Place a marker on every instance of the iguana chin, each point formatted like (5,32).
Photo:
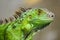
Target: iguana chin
(26,24)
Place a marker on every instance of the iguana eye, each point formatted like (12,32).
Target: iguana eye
(51,15)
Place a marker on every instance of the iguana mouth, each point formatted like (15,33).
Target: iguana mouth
(39,28)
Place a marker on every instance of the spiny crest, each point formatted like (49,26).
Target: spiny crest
(6,20)
(11,18)
(17,14)
(1,21)
(19,11)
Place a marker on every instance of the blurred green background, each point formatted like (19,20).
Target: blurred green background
(52,32)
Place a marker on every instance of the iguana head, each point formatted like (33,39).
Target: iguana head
(42,17)
(36,19)
(39,17)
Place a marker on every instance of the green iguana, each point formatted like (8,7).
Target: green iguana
(26,24)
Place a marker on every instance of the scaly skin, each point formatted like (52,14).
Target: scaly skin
(2,30)
(25,26)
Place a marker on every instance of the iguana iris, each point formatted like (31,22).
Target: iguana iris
(25,26)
